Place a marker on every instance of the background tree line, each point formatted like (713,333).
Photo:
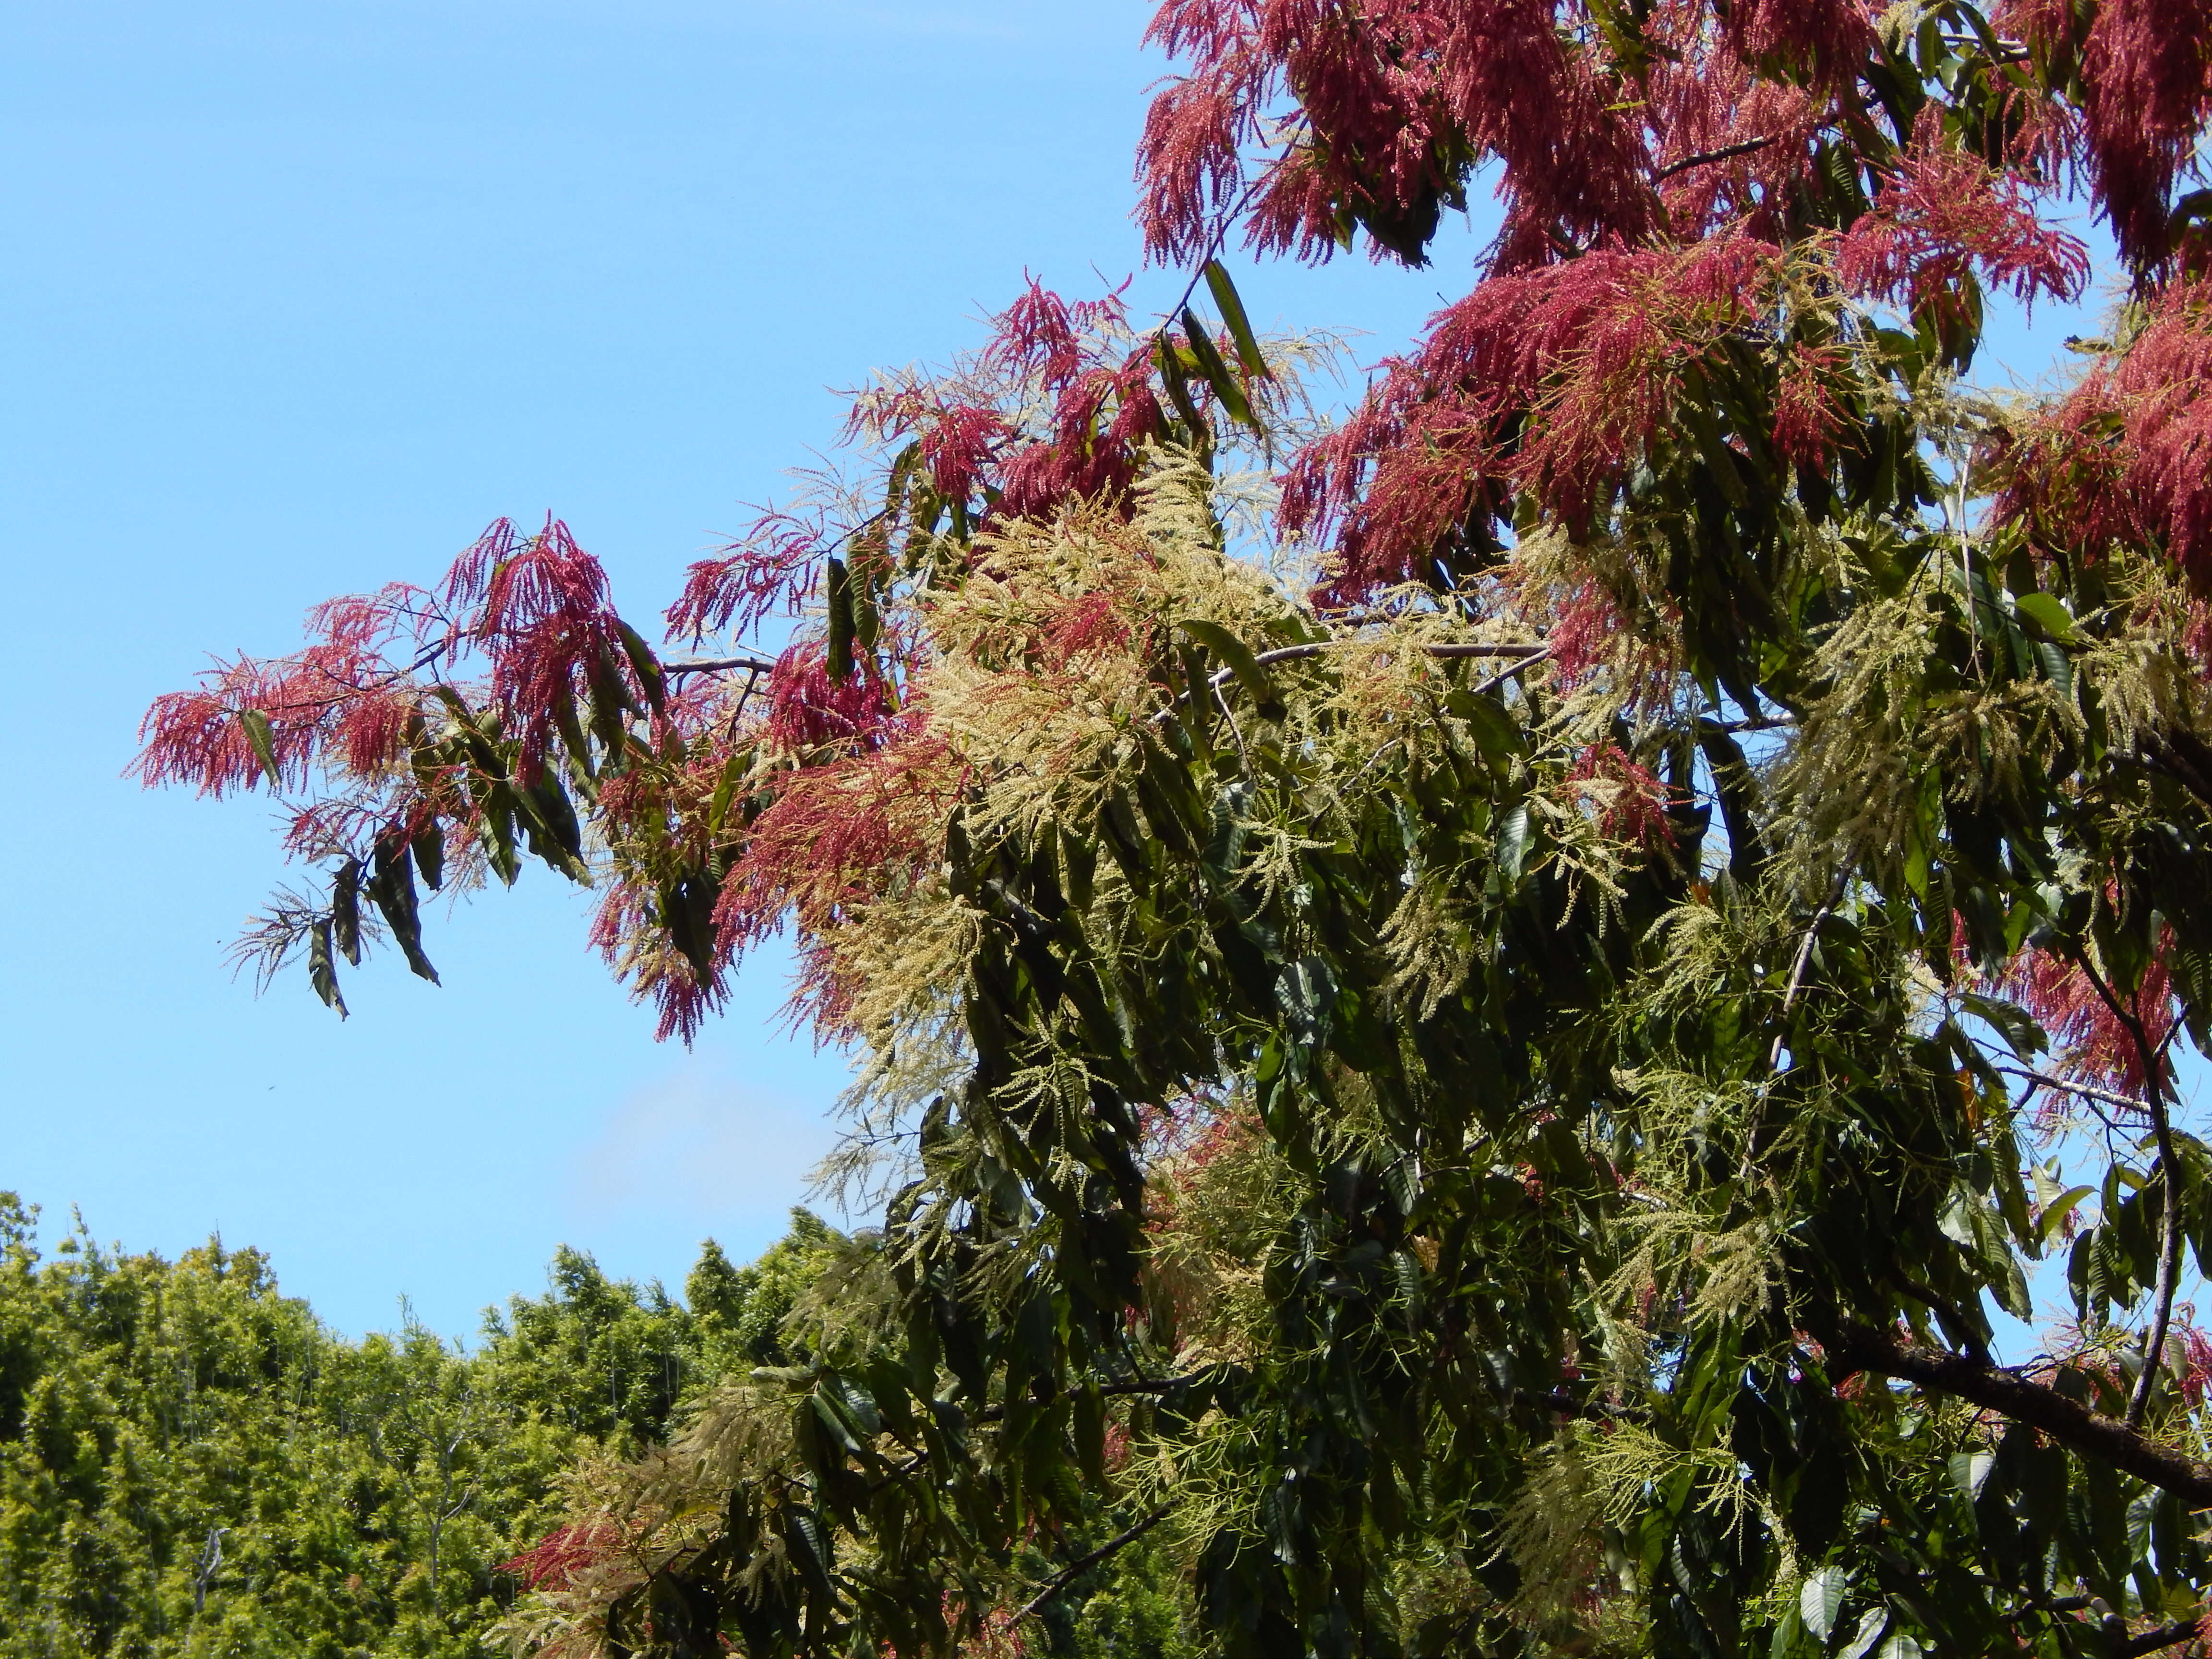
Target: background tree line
(191,1463)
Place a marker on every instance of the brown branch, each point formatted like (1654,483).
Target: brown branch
(1082,1564)
(1292,652)
(2010,1395)
(1706,157)
(717,665)
(1512,669)
(2065,1085)
(2166,1636)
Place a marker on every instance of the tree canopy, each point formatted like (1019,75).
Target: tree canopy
(1470,1015)
(191,1464)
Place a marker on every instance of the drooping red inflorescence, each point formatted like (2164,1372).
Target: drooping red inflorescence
(1808,412)
(1552,380)
(811,709)
(557,1560)
(345,699)
(2146,71)
(2098,1043)
(1397,98)
(539,611)
(838,834)
(2128,454)
(771,568)
(1630,802)
(1942,214)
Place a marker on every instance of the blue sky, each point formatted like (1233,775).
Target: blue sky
(296,299)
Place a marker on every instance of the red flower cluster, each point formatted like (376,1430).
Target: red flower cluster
(1552,380)
(2099,1044)
(1397,98)
(1632,804)
(1943,213)
(2127,456)
(557,1561)
(2146,74)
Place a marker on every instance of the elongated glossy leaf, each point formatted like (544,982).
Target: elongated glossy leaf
(255,724)
(1239,660)
(1218,375)
(1232,306)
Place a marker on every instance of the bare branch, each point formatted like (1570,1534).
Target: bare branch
(1082,1564)
(2169,1174)
(718,665)
(1707,157)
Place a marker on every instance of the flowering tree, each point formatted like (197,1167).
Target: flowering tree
(1477,1059)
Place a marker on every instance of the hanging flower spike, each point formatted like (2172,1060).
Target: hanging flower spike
(2128,454)
(1942,214)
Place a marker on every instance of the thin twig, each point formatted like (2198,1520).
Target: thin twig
(2169,1171)
(2087,1091)
(1512,669)
(1081,1564)
(1804,960)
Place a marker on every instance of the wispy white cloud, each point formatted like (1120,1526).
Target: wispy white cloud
(700,1149)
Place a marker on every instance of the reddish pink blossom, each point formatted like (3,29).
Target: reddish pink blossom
(772,567)
(1632,804)
(557,1560)
(957,449)
(1941,213)
(2127,456)
(1809,413)
(809,710)
(1397,98)
(1552,380)
(1050,340)
(543,617)
(2098,1043)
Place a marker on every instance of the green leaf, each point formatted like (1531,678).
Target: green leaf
(839,592)
(1971,1470)
(2021,1034)
(2047,614)
(1217,374)
(393,887)
(2055,1213)
(345,911)
(1871,1625)
(1821,1598)
(1240,326)
(643,663)
(1237,657)
(1513,841)
(322,972)
(256,726)
(429,849)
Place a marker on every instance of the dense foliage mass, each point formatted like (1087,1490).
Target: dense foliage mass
(1470,1053)
(191,1464)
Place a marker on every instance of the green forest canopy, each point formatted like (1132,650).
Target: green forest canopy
(192,1465)
(1467,1013)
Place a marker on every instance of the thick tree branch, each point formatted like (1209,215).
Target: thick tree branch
(2167,1636)
(2067,1085)
(718,665)
(2067,1421)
